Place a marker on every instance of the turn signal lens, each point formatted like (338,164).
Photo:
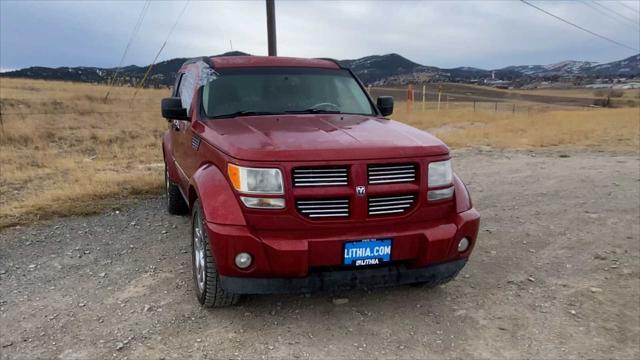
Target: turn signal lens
(256,180)
(234,175)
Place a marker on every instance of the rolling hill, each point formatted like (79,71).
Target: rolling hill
(374,69)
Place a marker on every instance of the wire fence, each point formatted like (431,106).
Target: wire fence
(432,98)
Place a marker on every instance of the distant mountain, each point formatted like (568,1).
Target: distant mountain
(625,67)
(161,74)
(376,69)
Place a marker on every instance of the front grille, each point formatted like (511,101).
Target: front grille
(326,176)
(382,174)
(390,204)
(323,208)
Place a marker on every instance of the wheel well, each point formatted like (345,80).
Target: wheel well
(193,195)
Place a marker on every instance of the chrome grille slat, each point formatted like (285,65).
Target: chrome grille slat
(394,171)
(382,174)
(323,208)
(318,211)
(319,170)
(322,200)
(390,181)
(322,184)
(399,202)
(329,215)
(327,176)
(390,204)
(412,175)
(304,176)
(318,179)
(392,167)
(317,206)
(385,212)
(403,206)
(393,198)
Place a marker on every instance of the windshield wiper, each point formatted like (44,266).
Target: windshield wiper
(313,111)
(243,113)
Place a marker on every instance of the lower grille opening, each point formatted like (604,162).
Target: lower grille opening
(323,208)
(391,204)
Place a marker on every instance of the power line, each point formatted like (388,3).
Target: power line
(134,33)
(634,22)
(608,15)
(580,27)
(628,7)
(144,78)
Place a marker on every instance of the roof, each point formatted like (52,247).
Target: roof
(227,62)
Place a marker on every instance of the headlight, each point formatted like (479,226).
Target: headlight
(256,181)
(440,173)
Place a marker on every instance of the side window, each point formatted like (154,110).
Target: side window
(187,84)
(176,86)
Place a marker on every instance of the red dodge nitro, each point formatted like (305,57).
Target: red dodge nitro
(297,181)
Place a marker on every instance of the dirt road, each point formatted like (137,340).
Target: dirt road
(556,274)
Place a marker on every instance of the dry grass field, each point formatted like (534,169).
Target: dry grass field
(63,151)
(75,154)
(597,129)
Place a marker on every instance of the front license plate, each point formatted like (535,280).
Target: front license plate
(367,252)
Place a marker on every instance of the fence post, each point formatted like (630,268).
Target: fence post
(439,96)
(474,106)
(514,108)
(369,89)
(409,98)
(496,107)
(424,94)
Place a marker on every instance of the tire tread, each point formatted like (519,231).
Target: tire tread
(214,295)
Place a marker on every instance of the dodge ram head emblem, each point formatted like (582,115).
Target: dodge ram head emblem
(361,190)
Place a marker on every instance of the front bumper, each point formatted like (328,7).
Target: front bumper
(341,280)
(296,254)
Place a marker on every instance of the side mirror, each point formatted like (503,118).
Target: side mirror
(172,109)
(385,105)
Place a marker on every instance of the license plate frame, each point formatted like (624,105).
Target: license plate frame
(367,252)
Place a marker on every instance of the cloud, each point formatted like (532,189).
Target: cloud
(487,34)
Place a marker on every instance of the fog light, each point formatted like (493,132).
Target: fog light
(243,260)
(463,245)
(262,203)
(435,195)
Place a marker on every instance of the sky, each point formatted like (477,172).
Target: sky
(447,34)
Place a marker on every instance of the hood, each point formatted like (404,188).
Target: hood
(319,137)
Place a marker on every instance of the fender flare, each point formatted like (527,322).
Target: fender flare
(463,199)
(218,201)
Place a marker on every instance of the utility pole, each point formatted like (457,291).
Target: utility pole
(271,27)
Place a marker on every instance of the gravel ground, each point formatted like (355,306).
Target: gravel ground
(555,275)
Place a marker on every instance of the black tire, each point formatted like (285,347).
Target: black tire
(175,202)
(209,290)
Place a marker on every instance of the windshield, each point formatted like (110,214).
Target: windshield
(284,90)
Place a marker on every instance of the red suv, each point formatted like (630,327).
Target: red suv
(297,182)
